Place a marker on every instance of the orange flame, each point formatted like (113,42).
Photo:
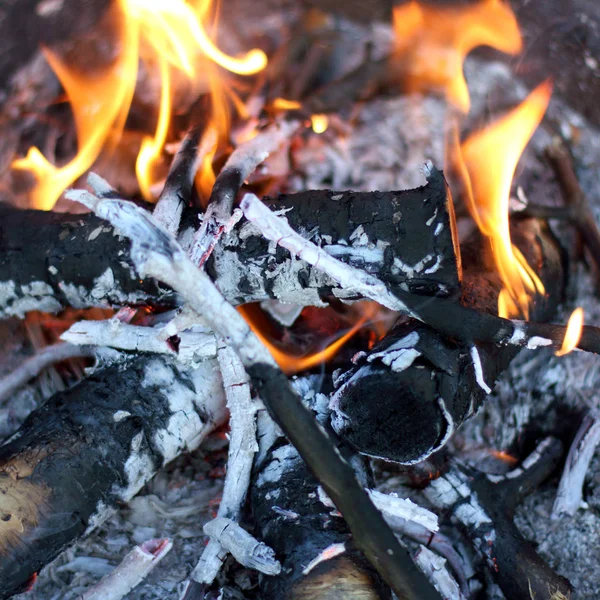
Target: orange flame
(487,161)
(291,364)
(175,34)
(432,43)
(573,333)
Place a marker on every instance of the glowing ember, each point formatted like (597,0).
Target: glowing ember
(487,161)
(432,43)
(319,123)
(291,364)
(174,35)
(573,334)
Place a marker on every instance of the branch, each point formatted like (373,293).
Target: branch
(242,447)
(177,191)
(130,572)
(189,347)
(569,497)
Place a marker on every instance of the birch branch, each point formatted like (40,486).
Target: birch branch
(190,347)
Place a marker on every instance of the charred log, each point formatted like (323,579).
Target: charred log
(406,397)
(405,238)
(91,447)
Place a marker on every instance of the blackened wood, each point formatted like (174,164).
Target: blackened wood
(406,397)
(91,447)
(49,260)
(53,260)
(289,516)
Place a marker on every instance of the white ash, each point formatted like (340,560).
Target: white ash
(434,566)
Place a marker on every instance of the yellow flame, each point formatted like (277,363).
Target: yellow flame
(96,101)
(291,364)
(151,148)
(431,43)
(320,123)
(573,333)
(487,160)
(175,35)
(283,104)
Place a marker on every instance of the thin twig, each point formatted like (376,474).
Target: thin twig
(435,567)
(156,253)
(130,572)
(242,447)
(569,497)
(189,346)
(178,186)
(240,165)
(446,316)
(33,366)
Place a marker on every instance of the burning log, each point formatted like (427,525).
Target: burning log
(91,447)
(484,505)
(405,398)
(85,264)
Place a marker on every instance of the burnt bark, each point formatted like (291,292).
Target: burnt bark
(49,261)
(91,447)
(406,397)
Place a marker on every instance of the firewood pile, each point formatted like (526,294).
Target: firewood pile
(298,300)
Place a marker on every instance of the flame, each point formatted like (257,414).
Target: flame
(320,123)
(573,333)
(433,42)
(171,33)
(487,161)
(291,364)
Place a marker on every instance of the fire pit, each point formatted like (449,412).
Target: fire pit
(290,299)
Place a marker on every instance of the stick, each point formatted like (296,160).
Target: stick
(190,347)
(242,447)
(177,191)
(245,548)
(130,572)
(33,366)
(435,567)
(569,497)
(157,254)
(446,316)
(240,165)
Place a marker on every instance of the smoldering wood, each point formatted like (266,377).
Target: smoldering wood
(404,399)
(93,446)
(484,505)
(83,262)
(290,517)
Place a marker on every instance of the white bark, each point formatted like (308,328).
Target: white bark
(132,570)
(194,346)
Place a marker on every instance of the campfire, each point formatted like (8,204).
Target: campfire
(298,302)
